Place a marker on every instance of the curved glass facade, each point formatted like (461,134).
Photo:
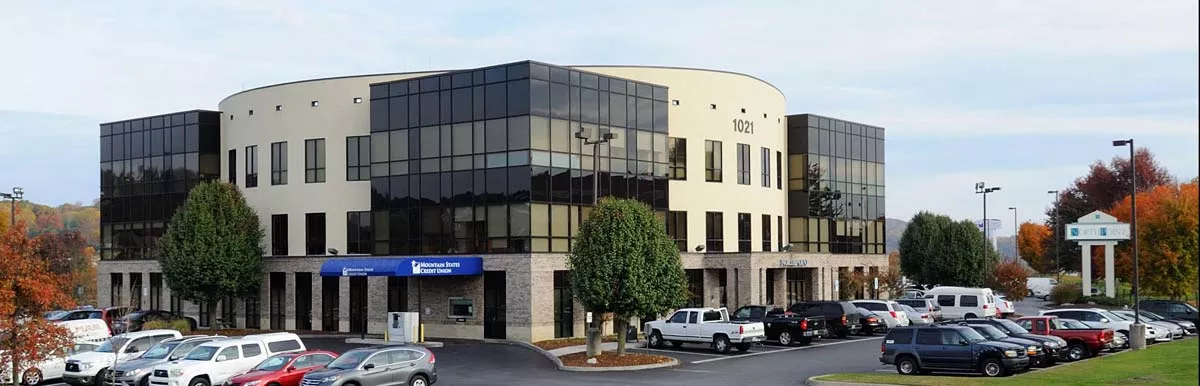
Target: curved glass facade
(486,160)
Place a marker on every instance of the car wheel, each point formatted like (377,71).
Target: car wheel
(1125,334)
(32,377)
(656,339)
(199,382)
(785,338)
(418,380)
(969,316)
(100,377)
(842,334)
(1076,351)
(1030,293)
(907,366)
(721,344)
(805,341)
(992,367)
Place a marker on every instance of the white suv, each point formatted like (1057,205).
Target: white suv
(85,368)
(1100,318)
(215,362)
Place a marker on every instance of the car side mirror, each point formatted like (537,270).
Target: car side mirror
(131,349)
(963,343)
(221,358)
(668,321)
(368,366)
(173,358)
(291,368)
(1103,320)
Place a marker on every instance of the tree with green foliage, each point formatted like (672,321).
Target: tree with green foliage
(935,250)
(624,263)
(212,248)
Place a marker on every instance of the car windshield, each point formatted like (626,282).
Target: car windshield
(1012,327)
(201,353)
(1114,317)
(906,308)
(1071,324)
(112,345)
(159,351)
(56,315)
(273,363)
(84,347)
(971,335)
(1151,315)
(990,332)
(349,360)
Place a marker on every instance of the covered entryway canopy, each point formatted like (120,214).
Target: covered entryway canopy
(403,266)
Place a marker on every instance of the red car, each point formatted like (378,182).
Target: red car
(283,369)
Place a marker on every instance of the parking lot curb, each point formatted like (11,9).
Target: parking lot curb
(814,381)
(553,359)
(674,362)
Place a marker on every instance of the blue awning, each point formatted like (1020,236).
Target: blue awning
(402,266)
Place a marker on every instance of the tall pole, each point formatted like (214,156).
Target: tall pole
(985,220)
(1016,233)
(593,332)
(1057,226)
(595,173)
(1137,335)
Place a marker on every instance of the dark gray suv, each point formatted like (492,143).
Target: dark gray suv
(377,366)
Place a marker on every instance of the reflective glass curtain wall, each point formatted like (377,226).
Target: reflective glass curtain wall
(486,160)
(835,185)
(147,166)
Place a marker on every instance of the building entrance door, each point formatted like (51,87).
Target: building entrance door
(494,300)
(358,305)
(798,288)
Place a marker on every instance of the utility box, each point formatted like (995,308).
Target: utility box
(403,327)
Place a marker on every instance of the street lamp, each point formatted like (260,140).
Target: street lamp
(1057,226)
(981,188)
(16,195)
(1138,333)
(1016,232)
(605,137)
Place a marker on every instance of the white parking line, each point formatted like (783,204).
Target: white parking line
(783,350)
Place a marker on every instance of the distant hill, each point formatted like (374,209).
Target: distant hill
(895,229)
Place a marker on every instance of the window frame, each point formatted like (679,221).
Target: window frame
(712,161)
(314,240)
(743,164)
(354,170)
(714,232)
(279,160)
(677,158)
(765,157)
(314,161)
(279,239)
(251,166)
(744,226)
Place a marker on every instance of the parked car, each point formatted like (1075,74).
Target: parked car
(284,369)
(87,334)
(1004,306)
(214,362)
(782,326)
(91,368)
(934,310)
(1053,346)
(915,318)
(1171,309)
(136,372)
(705,325)
(55,315)
(841,318)
(1040,287)
(1188,327)
(1033,348)
(963,302)
(1099,318)
(871,323)
(1082,341)
(888,310)
(920,350)
(382,366)
(108,315)
(136,319)
(1158,331)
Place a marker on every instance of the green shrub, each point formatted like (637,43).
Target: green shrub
(1104,300)
(180,325)
(1064,293)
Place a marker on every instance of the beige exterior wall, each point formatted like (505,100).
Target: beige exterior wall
(736,96)
(335,118)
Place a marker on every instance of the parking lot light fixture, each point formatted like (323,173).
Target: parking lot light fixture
(1137,320)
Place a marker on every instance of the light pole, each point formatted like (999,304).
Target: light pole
(593,332)
(981,188)
(605,137)
(1138,334)
(1057,225)
(1016,233)
(16,195)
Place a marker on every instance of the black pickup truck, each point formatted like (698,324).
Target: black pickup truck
(783,326)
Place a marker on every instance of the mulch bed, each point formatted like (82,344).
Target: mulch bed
(610,359)
(568,342)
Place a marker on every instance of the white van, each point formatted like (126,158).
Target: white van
(1039,287)
(88,335)
(964,302)
(83,368)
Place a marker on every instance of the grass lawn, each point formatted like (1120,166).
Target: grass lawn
(1162,364)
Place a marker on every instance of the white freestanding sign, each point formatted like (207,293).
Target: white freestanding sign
(1098,228)
(403,327)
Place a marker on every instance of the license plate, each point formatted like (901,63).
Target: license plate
(809,333)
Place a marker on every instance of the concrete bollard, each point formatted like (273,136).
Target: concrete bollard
(1137,336)
(593,341)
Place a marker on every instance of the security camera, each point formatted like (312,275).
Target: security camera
(700,248)
(332,251)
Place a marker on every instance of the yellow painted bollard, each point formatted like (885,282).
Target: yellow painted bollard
(422,332)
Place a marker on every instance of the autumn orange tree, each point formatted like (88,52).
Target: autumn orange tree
(1168,245)
(67,255)
(1010,277)
(892,279)
(28,289)
(1031,245)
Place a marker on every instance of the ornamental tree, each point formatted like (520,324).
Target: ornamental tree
(935,250)
(212,248)
(1168,246)
(1031,245)
(1011,278)
(624,263)
(28,289)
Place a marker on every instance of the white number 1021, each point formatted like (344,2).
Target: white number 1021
(743,126)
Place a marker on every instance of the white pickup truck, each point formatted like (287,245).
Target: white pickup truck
(705,325)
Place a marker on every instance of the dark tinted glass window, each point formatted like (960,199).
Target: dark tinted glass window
(929,337)
(968,301)
(945,300)
(900,336)
(285,345)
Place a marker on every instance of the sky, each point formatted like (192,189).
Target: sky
(1023,95)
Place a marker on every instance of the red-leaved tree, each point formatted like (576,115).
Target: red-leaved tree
(28,289)
(1010,277)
